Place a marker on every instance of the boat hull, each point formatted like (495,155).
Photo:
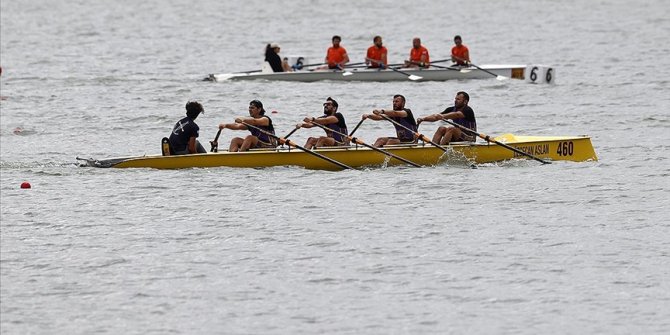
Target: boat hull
(563,148)
(431,74)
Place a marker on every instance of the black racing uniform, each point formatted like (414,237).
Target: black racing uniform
(408,121)
(183,130)
(275,62)
(339,126)
(468,121)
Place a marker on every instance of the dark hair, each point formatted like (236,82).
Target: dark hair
(258,104)
(376,37)
(467,97)
(336,36)
(457,37)
(268,51)
(333,101)
(400,96)
(193,108)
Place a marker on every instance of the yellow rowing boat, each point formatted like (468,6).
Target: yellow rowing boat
(555,148)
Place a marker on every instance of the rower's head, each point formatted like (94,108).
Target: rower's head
(458,40)
(193,109)
(377,41)
(461,99)
(330,106)
(256,108)
(416,42)
(275,47)
(398,102)
(336,40)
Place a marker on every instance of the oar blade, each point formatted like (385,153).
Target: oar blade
(221,77)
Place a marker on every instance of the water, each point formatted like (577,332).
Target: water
(506,248)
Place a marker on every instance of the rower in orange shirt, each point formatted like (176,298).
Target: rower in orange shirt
(460,54)
(336,56)
(418,55)
(376,56)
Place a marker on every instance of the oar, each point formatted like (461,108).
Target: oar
(356,128)
(356,140)
(499,77)
(215,143)
(315,64)
(445,67)
(409,76)
(354,64)
(226,76)
(489,139)
(419,135)
(346,73)
(291,133)
(440,61)
(290,143)
(433,62)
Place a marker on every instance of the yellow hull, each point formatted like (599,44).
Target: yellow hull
(556,148)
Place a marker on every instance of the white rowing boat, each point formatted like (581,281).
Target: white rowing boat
(532,73)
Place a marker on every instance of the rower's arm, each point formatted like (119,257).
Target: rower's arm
(374,117)
(261,121)
(191,145)
(233,126)
(451,116)
(430,118)
(392,113)
(424,58)
(345,60)
(323,120)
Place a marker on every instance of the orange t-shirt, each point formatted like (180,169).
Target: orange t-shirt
(460,52)
(335,55)
(376,53)
(416,54)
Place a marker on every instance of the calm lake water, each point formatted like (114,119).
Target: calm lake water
(511,248)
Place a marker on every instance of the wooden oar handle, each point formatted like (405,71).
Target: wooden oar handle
(215,143)
(291,133)
(489,139)
(356,128)
(218,133)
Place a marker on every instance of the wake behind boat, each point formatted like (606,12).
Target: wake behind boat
(529,73)
(555,148)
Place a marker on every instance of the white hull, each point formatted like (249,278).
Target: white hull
(431,74)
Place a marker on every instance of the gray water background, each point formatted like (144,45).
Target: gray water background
(506,248)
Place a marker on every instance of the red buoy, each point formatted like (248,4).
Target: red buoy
(25,184)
